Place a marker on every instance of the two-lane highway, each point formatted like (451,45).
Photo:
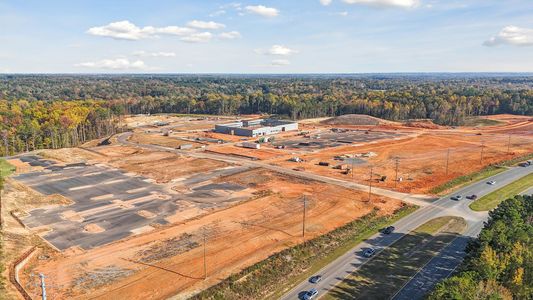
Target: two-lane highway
(439,267)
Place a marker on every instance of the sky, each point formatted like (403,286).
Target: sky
(297,36)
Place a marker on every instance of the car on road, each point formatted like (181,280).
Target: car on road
(369,252)
(388,230)
(492,182)
(526,164)
(472,197)
(311,294)
(315,279)
(457,197)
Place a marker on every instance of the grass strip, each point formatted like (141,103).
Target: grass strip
(280,272)
(381,277)
(493,199)
(6,168)
(486,172)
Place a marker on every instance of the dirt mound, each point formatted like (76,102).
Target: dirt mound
(427,124)
(355,119)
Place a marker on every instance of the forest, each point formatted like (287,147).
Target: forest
(30,125)
(39,111)
(499,263)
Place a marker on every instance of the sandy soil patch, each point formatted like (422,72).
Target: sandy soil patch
(93,228)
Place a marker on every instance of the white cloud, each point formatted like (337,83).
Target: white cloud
(218,13)
(230,35)
(205,25)
(199,37)
(114,64)
(262,10)
(280,62)
(154,54)
(386,3)
(277,50)
(325,2)
(343,13)
(125,30)
(512,35)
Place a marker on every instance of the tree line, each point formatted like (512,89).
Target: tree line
(499,263)
(446,99)
(30,125)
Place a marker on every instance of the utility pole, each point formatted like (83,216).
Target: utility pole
(370,184)
(509,145)
(447,160)
(397,164)
(353,160)
(303,221)
(205,263)
(482,146)
(43,286)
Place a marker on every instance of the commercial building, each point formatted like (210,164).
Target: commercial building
(257,127)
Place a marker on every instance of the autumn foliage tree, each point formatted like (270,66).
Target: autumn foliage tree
(499,263)
(29,125)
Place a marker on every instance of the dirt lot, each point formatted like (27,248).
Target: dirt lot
(158,139)
(16,239)
(245,214)
(261,154)
(142,267)
(160,166)
(422,156)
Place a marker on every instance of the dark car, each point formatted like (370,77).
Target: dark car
(315,279)
(388,230)
(369,252)
(472,197)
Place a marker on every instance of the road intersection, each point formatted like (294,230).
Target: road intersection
(437,269)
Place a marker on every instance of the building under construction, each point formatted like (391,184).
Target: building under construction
(256,127)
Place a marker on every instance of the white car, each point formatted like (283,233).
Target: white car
(311,294)
(492,182)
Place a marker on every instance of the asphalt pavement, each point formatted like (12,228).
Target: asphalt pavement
(439,267)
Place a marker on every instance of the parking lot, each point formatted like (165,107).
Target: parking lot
(335,139)
(109,204)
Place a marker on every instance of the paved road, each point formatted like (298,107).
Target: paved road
(448,259)
(437,269)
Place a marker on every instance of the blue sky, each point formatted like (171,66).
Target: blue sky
(307,36)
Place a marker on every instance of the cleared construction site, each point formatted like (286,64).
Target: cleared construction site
(139,216)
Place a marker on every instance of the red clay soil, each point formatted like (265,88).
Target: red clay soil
(422,159)
(237,237)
